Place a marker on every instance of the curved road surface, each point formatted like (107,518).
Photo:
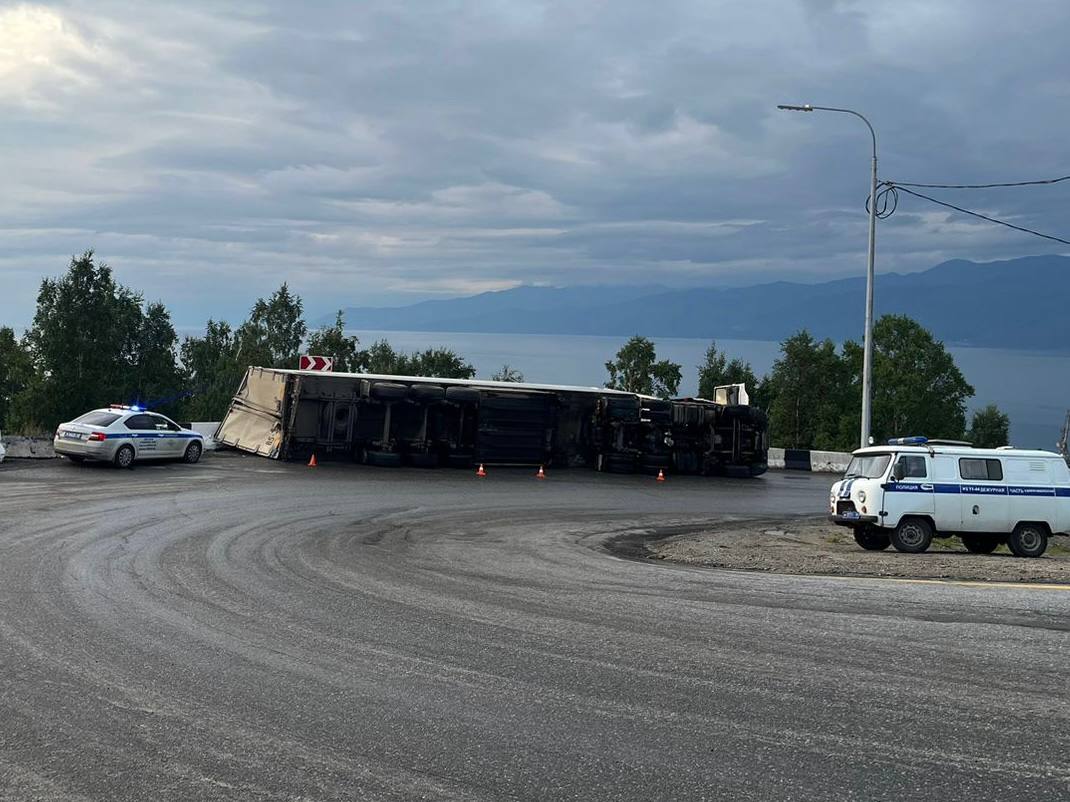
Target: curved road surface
(243,629)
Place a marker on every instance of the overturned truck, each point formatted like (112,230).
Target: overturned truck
(427,422)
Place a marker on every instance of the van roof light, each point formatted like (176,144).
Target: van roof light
(908,441)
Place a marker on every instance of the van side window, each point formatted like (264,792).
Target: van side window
(911,467)
(988,469)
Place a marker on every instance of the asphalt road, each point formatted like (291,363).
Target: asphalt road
(243,629)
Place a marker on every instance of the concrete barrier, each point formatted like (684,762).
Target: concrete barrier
(28,447)
(18,447)
(208,429)
(796,459)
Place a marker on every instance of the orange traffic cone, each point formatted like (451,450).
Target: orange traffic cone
(541,474)
(661,475)
(481,472)
(312,462)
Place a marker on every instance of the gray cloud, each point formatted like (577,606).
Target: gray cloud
(385,152)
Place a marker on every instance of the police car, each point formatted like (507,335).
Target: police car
(122,434)
(903,493)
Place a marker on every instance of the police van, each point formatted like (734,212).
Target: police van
(904,493)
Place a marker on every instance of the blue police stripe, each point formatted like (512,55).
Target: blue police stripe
(124,435)
(979,490)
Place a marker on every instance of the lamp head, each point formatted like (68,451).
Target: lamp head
(787,107)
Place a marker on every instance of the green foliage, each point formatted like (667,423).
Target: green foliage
(91,344)
(214,372)
(917,388)
(717,370)
(157,378)
(507,374)
(989,428)
(442,363)
(382,358)
(637,370)
(16,372)
(809,391)
(332,341)
(273,334)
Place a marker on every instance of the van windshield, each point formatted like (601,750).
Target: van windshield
(870,466)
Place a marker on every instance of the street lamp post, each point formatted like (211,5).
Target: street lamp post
(867,358)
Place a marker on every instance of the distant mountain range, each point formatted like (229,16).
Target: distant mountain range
(1018,304)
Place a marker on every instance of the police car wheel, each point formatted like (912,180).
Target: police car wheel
(979,544)
(912,536)
(124,457)
(1028,540)
(872,539)
(193,453)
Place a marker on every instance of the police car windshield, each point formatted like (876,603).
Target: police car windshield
(870,466)
(97,418)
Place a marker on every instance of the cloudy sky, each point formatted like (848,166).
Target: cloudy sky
(385,152)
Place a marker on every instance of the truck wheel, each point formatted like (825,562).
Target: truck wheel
(124,457)
(979,544)
(384,459)
(388,391)
(618,463)
(872,539)
(1028,540)
(912,536)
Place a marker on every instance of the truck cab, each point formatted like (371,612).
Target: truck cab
(904,493)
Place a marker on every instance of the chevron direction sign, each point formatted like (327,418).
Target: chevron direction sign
(322,363)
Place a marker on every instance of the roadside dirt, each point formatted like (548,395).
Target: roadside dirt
(814,546)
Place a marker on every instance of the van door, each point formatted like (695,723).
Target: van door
(912,487)
(983,493)
(948,500)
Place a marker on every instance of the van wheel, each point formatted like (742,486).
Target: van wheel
(124,457)
(978,544)
(872,539)
(912,536)
(1028,540)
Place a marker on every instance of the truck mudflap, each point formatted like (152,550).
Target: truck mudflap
(426,422)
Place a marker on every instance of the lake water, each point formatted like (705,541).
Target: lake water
(1034,389)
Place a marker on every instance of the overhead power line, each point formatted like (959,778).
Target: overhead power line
(887,201)
(986,186)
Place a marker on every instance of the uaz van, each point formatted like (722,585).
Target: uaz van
(903,493)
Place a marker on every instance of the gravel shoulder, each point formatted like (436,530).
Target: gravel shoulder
(813,546)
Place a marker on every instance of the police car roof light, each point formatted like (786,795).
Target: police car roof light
(908,441)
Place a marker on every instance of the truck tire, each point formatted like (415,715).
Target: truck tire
(384,459)
(462,394)
(428,393)
(872,539)
(618,463)
(1028,540)
(388,391)
(651,464)
(461,460)
(979,544)
(912,536)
